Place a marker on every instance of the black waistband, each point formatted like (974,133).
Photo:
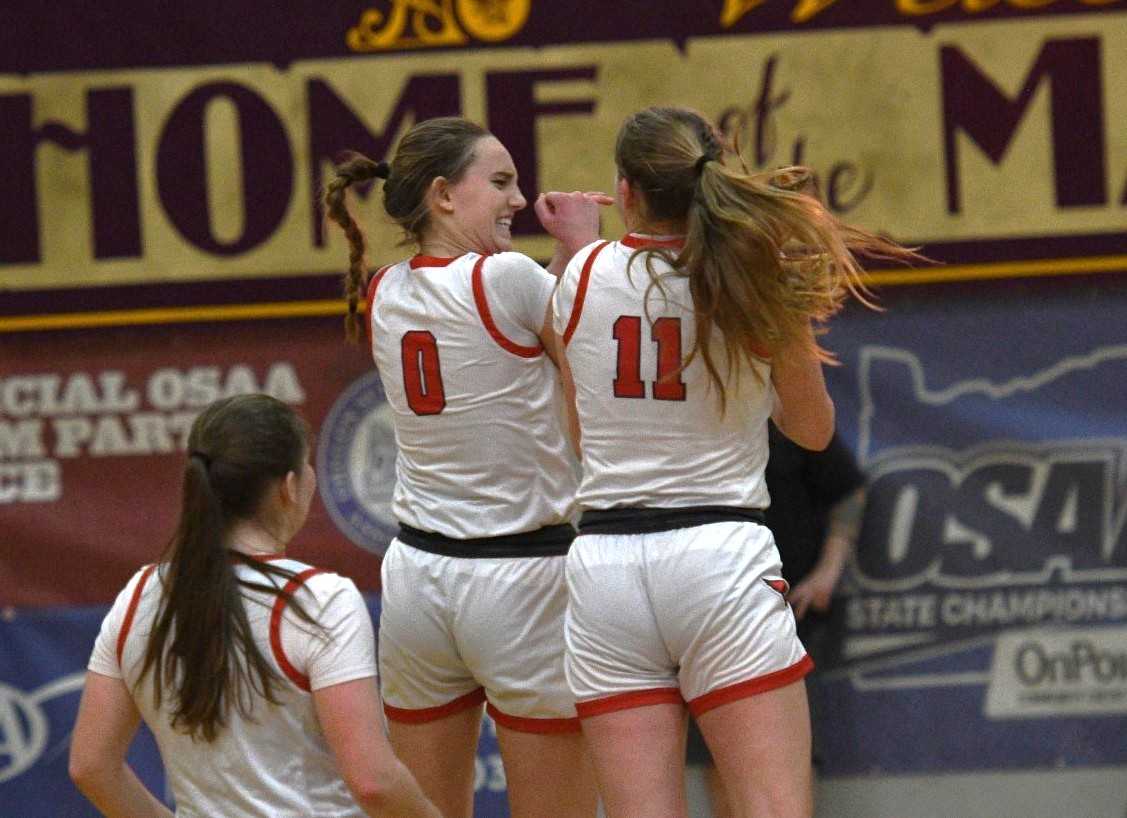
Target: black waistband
(641,520)
(549,541)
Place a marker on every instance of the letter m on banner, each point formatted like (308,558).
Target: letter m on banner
(974,104)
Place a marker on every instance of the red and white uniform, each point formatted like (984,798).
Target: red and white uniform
(476,400)
(481,454)
(278,763)
(691,612)
(646,441)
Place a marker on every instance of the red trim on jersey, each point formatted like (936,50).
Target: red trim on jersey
(523,724)
(373,285)
(636,242)
(425,714)
(760,684)
(581,293)
(487,318)
(628,701)
(131,611)
(431,261)
(778,584)
(296,581)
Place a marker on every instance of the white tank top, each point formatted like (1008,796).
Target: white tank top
(648,440)
(276,762)
(476,402)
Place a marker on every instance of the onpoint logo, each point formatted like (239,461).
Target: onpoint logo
(1059,672)
(23,724)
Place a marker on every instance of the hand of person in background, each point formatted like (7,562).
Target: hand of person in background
(572,219)
(816,588)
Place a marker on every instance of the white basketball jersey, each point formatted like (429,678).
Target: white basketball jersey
(277,761)
(481,447)
(652,436)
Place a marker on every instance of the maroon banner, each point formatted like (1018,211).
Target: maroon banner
(93,426)
(72,35)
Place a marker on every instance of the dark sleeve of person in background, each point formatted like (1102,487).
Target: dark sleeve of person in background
(804,486)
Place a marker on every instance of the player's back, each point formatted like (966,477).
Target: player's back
(653,436)
(481,449)
(273,761)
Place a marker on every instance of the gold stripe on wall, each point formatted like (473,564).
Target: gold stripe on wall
(173,315)
(332,306)
(1037,268)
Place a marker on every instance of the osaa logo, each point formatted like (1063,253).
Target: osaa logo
(356,464)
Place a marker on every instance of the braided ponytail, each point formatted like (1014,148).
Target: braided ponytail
(443,146)
(355,168)
(764,257)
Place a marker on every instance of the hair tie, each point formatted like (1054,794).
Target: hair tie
(357,168)
(698,166)
(203,458)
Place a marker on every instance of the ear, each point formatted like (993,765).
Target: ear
(628,198)
(288,490)
(438,195)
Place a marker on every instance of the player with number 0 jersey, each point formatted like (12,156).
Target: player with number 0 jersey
(473,591)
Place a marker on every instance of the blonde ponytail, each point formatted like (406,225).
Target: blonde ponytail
(764,257)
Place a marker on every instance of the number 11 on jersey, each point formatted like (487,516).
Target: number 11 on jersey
(666,333)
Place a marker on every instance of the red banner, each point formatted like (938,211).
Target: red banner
(93,426)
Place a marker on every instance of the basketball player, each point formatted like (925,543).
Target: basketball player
(473,590)
(256,673)
(681,339)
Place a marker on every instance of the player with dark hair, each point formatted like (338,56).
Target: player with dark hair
(256,673)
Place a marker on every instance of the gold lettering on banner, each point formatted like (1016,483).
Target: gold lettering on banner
(493,20)
(434,23)
(806,10)
(736,9)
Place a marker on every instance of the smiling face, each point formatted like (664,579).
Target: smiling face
(476,212)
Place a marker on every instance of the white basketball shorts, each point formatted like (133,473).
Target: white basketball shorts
(455,632)
(693,614)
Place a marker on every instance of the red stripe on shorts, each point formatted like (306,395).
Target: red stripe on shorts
(522,724)
(295,675)
(425,714)
(629,700)
(751,687)
(131,611)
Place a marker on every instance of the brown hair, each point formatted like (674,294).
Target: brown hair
(762,254)
(201,646)
(431,148)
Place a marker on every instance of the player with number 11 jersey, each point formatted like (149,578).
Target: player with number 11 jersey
(629,342)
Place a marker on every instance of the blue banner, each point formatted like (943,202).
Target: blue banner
(42,668)
(986,608)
